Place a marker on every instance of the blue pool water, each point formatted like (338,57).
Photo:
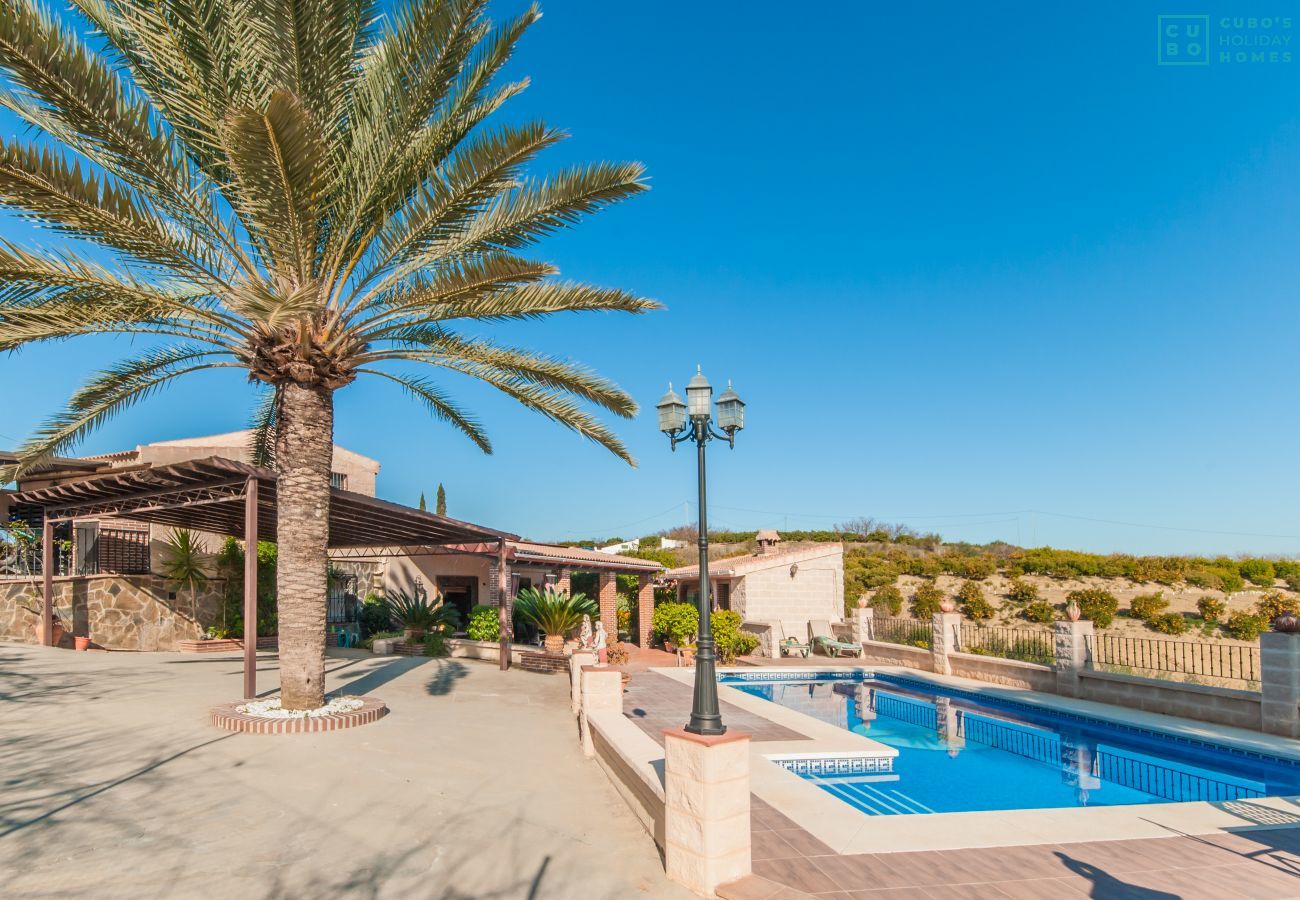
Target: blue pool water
(959,751)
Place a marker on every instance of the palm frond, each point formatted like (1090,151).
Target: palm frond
(530,301)
(439,404)
(110,392)
(266,418)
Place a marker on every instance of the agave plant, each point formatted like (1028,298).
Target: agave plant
(303,191)
(555,613)
(417,614)
(185,561)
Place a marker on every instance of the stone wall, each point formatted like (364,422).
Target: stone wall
(815,590)
(896,655)
(117,612)
(1011,672)
(1222,706)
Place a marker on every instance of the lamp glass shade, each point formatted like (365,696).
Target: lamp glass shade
(731,410)
(672,411)
(699,396)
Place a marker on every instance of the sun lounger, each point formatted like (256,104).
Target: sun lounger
(789,645)
(823,638)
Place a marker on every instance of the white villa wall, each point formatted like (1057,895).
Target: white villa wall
(815,591)
(401,572)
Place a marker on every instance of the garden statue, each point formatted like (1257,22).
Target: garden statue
(584,635)
(600,644)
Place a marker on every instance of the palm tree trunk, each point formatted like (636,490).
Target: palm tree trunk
(304,449)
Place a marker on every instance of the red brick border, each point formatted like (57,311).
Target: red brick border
(225,716)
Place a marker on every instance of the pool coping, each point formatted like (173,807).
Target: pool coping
(847,830)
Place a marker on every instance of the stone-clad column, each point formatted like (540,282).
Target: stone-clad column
(602,691)
(944,640)
(645,606)
(1072,639)
(1279,656)
(609,603)
(706,808)
(577,662)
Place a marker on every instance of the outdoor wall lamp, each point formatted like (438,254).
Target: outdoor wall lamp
(693,421)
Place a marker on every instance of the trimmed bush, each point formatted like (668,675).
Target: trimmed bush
(973,602)
(729,640)
(1097,606)
(888,599)
(484,624)
(1258,571)
(1211,608)
(1274,604)
(1246,626)
(976,567)
(1039,611)
(926,600)
(1022,592)
(676,622)
(1168,623)
(1148,606)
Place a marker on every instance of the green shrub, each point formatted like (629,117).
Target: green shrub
(1286,569)
(374,616)
(484,624)
(975,567)
(676,622)
(1211,608)
(1039,611)
(866,571)
(1168,623)
(888,599)
(974,604)
(1246,626)
(435,644)
(1258,571)
(1147,606)
(926,600)
(1274,604)
(729,640)
(1021,592)
(1097,606)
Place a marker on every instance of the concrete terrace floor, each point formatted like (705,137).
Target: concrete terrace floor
(474,786)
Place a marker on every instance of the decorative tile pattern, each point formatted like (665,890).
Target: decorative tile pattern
(840,765)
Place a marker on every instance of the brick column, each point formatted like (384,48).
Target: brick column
(578,660)
(602,691)
(609,604)
(1279,657)
(564,583)
(645,606)
(944,640)
(862,624)
(706,808)
(1071,643)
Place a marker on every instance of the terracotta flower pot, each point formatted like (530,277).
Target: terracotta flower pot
(81,643)
(58,631)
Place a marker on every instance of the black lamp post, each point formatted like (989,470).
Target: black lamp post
(693,421)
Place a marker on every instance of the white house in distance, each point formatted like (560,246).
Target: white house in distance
(786,585)
(635,544)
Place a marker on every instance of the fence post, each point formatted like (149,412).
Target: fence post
(1279,686)
(1071,654)
(943,640)
(863,624)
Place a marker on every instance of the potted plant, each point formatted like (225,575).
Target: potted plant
(81,643)
(38,629)
(418,616)
(619,655)
(555,613)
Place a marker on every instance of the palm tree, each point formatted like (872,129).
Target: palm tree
(302,191)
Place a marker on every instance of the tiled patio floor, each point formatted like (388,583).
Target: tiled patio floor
(790,863)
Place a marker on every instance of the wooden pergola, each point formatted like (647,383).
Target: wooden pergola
(224,496)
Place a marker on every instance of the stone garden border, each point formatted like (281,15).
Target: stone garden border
(225,716)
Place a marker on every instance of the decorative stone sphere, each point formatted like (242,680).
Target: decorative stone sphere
(1287,623)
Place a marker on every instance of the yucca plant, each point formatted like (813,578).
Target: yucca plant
(185,561)
(555,613)
(304,192)
(418,614)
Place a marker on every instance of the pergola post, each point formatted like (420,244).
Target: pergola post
(503,603)
(250,589)
(47,578)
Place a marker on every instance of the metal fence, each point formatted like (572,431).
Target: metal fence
(1235,662)
(1024,644)
(911,632)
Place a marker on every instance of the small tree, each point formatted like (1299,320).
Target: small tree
(185,562)
(926,600)
(441,508)
(974,604)
(423,508)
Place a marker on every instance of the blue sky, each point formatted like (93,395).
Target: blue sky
(985,269)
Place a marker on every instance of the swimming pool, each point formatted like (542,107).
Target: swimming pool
(961,751)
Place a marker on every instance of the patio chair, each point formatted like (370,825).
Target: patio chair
(823,638)
(788,644)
